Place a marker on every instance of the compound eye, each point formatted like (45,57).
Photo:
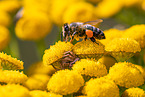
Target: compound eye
(89,33)
(66,29)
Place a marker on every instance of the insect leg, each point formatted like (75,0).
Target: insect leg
(85,37)
(70,52)
(73,36)
(71,63)
(93,40)
(61,36)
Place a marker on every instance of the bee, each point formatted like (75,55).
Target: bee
(79,29)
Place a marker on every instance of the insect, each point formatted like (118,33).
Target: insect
(68,60)
(80,29)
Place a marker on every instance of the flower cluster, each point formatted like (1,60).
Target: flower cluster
(110,67)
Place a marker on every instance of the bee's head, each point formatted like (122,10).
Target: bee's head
(65,30)
(66,27)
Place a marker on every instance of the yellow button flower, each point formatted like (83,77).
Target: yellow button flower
(90,68)
(143,5)
(7,62)
(37,82)
(136,32)
(14,90)
(40,68)
(65,82)
(122,48)
(133,92)
(4,37)
(58,9)
(55,53)
(33,27)
(9,76)
(125,74)
(10,5)
(39,5)
(89,49)
(78,12)
(107,8)
(129,3)
(101,87)
(111,34)
(4,18)
(39,93)
(108,61)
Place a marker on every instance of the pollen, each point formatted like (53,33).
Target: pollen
(89,33)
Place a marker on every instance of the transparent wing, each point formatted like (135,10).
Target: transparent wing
(95,22)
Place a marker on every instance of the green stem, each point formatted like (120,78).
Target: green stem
(40,47)
(13,45)
(121,90)
(7,50)
(141,60)
(14,48)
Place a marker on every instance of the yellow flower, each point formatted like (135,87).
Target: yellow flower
(90,68)
(143,5)
(129,3)
(4,18)
(37,82)
(125,74)
(33,27)
(58,9)
(111,34)
(39,5)
(133,92)
(108,61)
(7,62)
(108,8)
(65,82)
(136,32)
(55,53)
(14,90)
(89,49)
(122,48)
(78,12)
(40,68)
(101,87)
(39,93)
(10,76)
(10,5)
(4,37)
